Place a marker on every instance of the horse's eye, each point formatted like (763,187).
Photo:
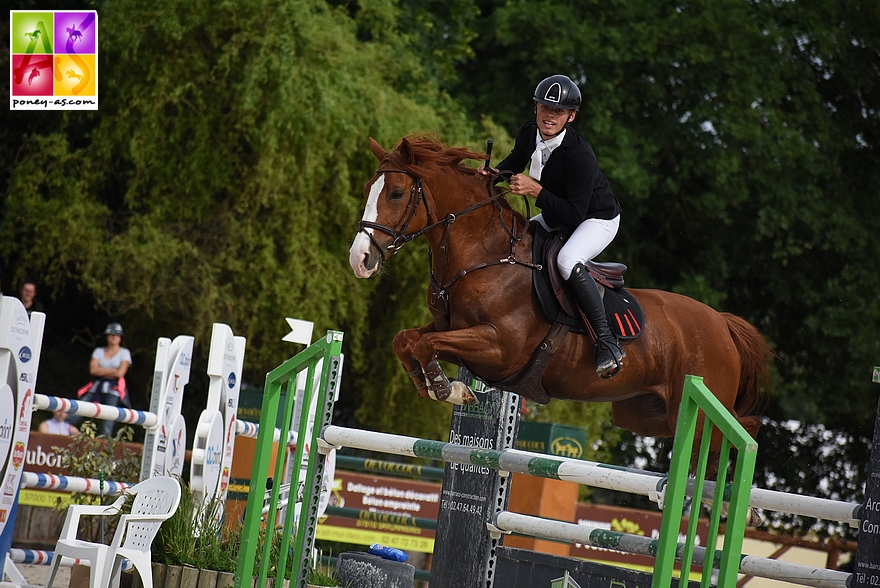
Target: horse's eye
(397,194)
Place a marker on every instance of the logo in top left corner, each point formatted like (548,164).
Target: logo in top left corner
(54,60)
(24,354)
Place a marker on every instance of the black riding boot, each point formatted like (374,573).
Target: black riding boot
(608,351)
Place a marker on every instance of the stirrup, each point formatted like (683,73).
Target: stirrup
(614,347)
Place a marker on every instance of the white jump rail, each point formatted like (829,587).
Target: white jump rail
(599,475)
(602,476)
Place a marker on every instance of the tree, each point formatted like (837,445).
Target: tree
(221,180)
(741,139)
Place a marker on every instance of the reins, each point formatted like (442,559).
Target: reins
(442,290)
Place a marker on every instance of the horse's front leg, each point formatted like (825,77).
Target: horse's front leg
(428,377)
(477,345)
(442,389)
(403,345)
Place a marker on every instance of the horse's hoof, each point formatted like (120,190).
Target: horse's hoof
(461,394)
(754,519)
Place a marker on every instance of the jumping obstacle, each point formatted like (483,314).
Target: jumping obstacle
(21,339)
(164,446)
(485,455)
(866,572)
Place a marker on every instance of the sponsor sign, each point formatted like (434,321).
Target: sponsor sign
(388,504)
(46,454)
(18,454)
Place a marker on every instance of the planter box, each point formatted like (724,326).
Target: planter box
(208,579)
(183,577)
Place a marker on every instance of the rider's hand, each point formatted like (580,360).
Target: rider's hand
(486,172)
(522,184)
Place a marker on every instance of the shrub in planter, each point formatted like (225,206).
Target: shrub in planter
(88,456)
(196,537)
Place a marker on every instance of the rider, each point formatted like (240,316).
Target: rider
(574,197)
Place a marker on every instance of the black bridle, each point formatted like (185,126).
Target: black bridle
(398,232)
(400,237)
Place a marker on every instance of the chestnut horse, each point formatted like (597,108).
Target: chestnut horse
(488,317)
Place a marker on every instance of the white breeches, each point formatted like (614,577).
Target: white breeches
(588,240)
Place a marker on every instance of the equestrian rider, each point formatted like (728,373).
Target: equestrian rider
(574,197)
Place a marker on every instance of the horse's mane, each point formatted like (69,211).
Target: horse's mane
(427,149)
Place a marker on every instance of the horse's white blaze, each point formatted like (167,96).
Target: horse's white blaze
(360,248)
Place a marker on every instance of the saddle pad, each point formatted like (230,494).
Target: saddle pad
(625,316)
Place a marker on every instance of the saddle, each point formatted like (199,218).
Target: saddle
(625,316)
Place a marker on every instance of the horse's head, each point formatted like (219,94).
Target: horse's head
(399,208)
(394,198)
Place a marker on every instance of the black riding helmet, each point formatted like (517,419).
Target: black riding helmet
(114,329)
(558,91)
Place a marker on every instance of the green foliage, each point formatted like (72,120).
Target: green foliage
(195,536)
(322,575)
(740,138)
(89,456)
(222,179)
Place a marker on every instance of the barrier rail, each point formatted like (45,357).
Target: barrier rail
(669,491)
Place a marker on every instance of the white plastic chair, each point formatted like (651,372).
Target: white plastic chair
(155,500)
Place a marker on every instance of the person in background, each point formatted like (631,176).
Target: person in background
(28,296)
(57,425)
(108,366)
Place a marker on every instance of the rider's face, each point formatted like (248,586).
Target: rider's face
(551,120)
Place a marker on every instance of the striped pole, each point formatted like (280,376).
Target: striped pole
(252,431)
(96,411)
(640,545)
(70,484)
(38,557)
(588,473)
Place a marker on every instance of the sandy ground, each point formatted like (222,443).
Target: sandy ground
(37,575)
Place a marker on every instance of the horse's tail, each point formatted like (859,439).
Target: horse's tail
(755,356)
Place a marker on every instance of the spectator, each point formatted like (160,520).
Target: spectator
(108,365)
(58,426)
(28,295)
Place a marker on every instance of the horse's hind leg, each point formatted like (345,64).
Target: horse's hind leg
(644,415)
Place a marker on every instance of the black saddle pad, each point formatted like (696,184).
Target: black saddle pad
(625,316)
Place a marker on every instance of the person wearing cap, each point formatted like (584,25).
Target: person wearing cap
(108,366)
(574,197)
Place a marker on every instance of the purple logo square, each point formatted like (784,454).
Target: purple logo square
(75,32)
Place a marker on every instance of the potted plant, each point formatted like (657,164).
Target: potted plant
(194,542)
(90,456)
(321,576)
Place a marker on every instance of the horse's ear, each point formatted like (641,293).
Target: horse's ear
(406,151)
(377,149)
